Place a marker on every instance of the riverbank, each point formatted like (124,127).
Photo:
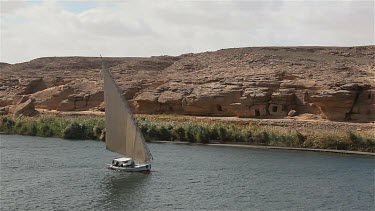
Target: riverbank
(271,147)
(200,130)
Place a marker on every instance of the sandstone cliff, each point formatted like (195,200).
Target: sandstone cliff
(335,83)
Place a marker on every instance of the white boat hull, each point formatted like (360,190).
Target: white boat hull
(136,168)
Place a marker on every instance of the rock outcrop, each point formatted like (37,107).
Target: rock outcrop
(334,83)
(25,108)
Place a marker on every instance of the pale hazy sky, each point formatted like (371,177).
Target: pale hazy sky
(32,29)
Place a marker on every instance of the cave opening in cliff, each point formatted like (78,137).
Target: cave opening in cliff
(219,108)
(170,108)
(369,96)
(257,112)
(274,108)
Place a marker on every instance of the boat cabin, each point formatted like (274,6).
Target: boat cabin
(123,162)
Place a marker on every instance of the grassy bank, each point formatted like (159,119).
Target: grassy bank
(192,130)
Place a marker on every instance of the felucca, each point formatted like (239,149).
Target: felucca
(122,133)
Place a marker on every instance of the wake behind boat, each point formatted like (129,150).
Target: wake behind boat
(122,133)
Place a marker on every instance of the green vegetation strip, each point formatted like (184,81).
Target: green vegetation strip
(156,128)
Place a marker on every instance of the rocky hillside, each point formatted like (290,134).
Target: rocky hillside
(268,82)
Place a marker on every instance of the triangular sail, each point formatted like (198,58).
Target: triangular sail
(122,133)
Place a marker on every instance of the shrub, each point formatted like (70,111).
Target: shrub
(262,138)
(248,136)
(192,130)
(202,135)
(364,142)
(97,131)
(33,130)
(23,129)
(19,127)
(179,133)
(74,131)
(89,133)
(356,141)
(237,136)
(143,126)
(214,133)
(189,134)
(152,133)
(370,145)
(164,134)
(46,131)
(6,124)
(300,139)
(222,132)
(330,143)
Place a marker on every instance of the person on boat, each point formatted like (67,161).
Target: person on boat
(131,164)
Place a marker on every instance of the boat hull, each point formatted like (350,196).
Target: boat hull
(136,168)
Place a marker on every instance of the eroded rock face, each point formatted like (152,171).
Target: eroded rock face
(335,105)
(81,101)
(336,83)
(26,108)
(364,107)
(51,98)
(34,85)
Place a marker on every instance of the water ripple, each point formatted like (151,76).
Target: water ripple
(55,174)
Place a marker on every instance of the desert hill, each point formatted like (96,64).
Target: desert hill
(334,83)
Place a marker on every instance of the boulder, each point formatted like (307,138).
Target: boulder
(25,109)
(147,102)
(52,97)
(22,99)
(100,107)
(95,99)
(292,113)
(34,85)
(66,105)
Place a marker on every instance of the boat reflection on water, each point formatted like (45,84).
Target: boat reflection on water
(124,191)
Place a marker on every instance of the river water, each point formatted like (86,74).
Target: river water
(55,174)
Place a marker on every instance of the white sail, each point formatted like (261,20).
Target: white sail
(122,133)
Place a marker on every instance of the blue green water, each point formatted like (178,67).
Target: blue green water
(55,174)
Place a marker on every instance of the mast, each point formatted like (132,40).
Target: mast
(122,133)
